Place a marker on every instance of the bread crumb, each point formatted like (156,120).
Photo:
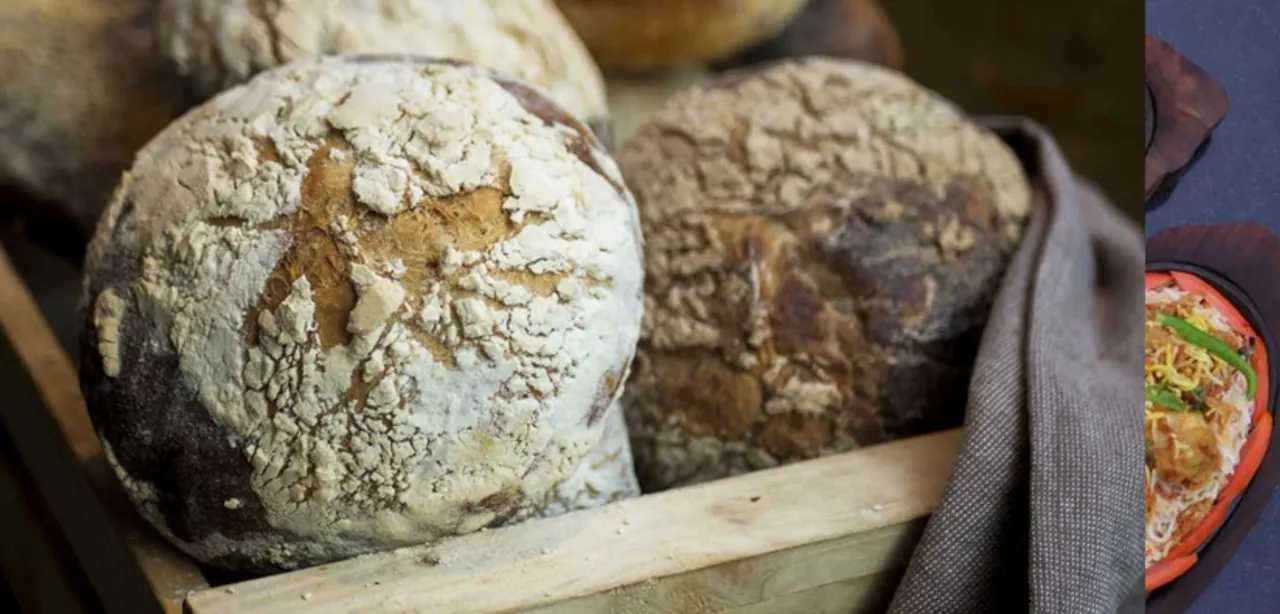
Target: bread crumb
(230,590)
(231,504)
(306,596)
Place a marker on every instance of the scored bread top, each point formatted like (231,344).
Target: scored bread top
(356,302)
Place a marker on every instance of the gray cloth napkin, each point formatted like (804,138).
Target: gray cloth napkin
(1044,510)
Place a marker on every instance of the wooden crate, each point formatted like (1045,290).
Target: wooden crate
(828,535)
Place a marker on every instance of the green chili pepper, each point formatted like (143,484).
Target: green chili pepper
(1163,397)
(1214,345)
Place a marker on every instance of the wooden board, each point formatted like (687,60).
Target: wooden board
(130,567)
(36,559)
(830,534)
(1187,105)
(1246,256)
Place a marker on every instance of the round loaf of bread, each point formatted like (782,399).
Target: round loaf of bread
(83,85)
(358,303)
(823,241)
(643,35)
(219,43)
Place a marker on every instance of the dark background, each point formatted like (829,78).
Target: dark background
(1237,178)
(1074,66)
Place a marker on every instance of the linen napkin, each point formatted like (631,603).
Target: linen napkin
(1044,510)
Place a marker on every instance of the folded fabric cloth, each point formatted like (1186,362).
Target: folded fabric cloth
(1044,511)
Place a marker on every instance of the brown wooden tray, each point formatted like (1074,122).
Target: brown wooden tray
(1187,104)
(828,536)
(1246,255)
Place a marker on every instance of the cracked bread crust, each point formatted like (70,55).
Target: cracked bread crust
(823,242)
(219,43)
(363,302)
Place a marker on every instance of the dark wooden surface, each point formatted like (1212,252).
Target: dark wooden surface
(1246,256)
(38,562)
(1188,103)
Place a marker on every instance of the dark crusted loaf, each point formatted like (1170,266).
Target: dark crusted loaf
(823,243)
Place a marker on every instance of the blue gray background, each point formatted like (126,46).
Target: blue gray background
(1237,178)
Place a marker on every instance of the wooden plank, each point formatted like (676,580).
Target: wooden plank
(862,595)
(782,577)
(733,543)
(42,573)
(130,566)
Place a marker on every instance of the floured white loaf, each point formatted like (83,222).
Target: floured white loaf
(359,303)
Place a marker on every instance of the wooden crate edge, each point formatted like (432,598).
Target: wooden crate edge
(861,510)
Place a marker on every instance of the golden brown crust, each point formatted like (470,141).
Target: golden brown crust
(651,34)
